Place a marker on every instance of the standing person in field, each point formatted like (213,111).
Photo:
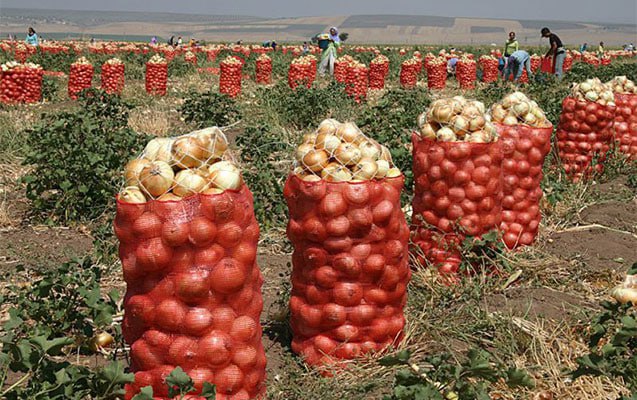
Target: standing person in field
(306,48)
(180,41)
(32,37)
(329,53)
(583,47)
(516,63)
(557,51)
(600,49)
(511,45)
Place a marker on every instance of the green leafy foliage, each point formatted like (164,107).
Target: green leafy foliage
(440,377)
(179,385)
(613,345)
(210,109)
(76,158)
(483,253)
(53,316)
(264,152)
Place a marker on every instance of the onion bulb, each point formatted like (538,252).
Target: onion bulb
(349,132)
(156,178)
(302,150)
(369,150)
(213,141)
(366,169)
(311,178)
(427,131)
(189,152)
(132,170)
(382,167)
(624,295)
(227,178)
(315,160)
(188,182)
(212,191)
(347,154)
(328,126)
(132,194)
(393,173)
(327,142)
(158,149)
(335,172)
(445,134)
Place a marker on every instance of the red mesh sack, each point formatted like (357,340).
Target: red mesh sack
(489,67)
(458,192)
(156,76)
(263,69)
(568,63)
(605,60)
(80,77)
(193,295)
(625,123)
(466,73)
(230,76)
(20,83)
(547,66)
(437,73)
(584,134)
(536,61)
(113,76)
(32,83)
(190,57)
(350,267)
(357,81)
(340,68)
(378,69)
(409,73)
(302,72)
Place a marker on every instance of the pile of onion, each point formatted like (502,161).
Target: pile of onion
(340,152)
(594,90)
(380,59)
(457,119)
(623,85)
(627,291)
(113,61)
(82,61)
(178,167)
(517,109)
(157,59)
(232,60)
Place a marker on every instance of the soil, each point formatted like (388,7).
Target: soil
(615,188)
(534,303)
(612,214)
(39,246)
(596,248)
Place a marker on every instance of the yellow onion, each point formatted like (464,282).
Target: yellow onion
(302,150)
(310,138)
(347,154)
(459,124)
(369,149)
(498,113)
(510,120)
(132,170)
(327,142)
(625,294)
(479,137)
(159,149)
(477,123)
(188,152)
(471,111)
(156,178)
(393,173)
(188,182)
(428,132)
(315,160)
(349,132)
(132,194)
(445,134)
(385,154)
(212,191)
(335,172)
(521,108)
(328,126)
(226,178)
(366,169)
(382,167)
(442,113)
(311,178)
(213,141)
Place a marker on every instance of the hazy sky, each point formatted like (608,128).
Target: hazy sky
(620,11)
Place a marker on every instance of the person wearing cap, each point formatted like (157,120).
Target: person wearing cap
(516,63)
(557,51)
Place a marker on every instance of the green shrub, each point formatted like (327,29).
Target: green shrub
(76,158)
(210,109)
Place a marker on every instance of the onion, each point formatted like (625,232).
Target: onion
(365,170)
(336,173)
(498,113)
(422,120)
(347,154)
(624,295)
(132,170)
(521,108)
(188,182)
(442,114)
(310,138)
(227,165)
(445,135)
(158,149)
(302,150)
(428,132)
(315,160)
(156,178)
(393,173)
(327,142)
(132,194)
(212,191)
(311,178)
(328,126)
(188,152)
(382,168)
(226,178)
(349,132)
(460,125)
(479,137)
(385,154)
(471,111)
(477,123)
(213,141)
(510,120)
(369,150)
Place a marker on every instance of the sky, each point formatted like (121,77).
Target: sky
(615,11)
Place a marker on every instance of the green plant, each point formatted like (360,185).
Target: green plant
(613,345)
(179,385)
(76,158)
(441,378)
(484,253)
(210,109)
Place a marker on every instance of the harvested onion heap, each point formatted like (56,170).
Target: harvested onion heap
(304,60)
(627,291)
(380,59)
(594,90)
(263,57)
(157,59)
(623,85)
(340,152)
(517,109)
(232,60)
(485,57)
(10,65)
(114,61)
(457,120)
(82,61)
(174,168)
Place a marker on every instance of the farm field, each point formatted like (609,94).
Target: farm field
(62,168)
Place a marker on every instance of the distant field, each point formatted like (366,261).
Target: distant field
(372,29)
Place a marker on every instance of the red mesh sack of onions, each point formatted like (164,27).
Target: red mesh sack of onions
(409,73)
(466,70)
(156,75)
(188,241)
(525,133)
(20,83)
(350,238)
(80,77)
(489,65)
(113,76)
(378,69)
(300,72)
(340,68)
(626,115)
(437,73)
(263,69)
(457,160)
(357,81)
(230,76)
(585,130)
(32,87)
(190,57)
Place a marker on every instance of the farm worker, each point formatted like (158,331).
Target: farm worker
(557,51)
(32,37)
(153,40)
(179,41)
(329,53)
(306,48)
(583,47)
(511,45)
(451,65)
(273,45)
(600,49)
(516,64)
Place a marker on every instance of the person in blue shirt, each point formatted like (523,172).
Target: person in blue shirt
(583,47)
(516,64)
(32,37)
